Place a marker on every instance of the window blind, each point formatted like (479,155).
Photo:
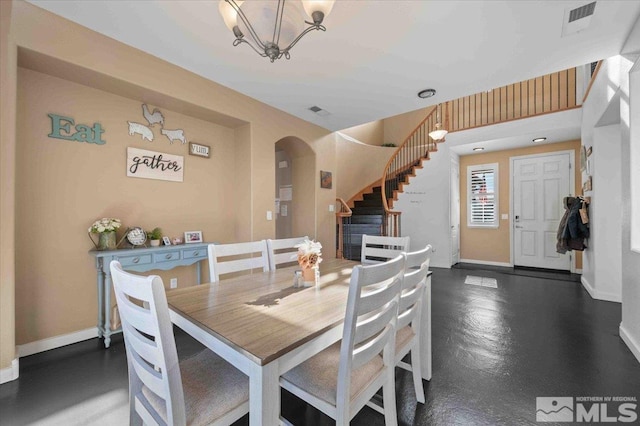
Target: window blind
(482,196)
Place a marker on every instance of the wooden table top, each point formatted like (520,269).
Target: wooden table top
(261,314)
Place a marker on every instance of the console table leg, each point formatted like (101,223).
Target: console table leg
(198,272)
(100,282)
(107,311)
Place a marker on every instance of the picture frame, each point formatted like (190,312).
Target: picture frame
(583,159)
(192,237)
(325,179)
(166,241)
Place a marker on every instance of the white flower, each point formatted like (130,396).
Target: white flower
(309,253)
(105,225)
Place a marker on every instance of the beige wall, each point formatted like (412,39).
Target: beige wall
(473,241)
(8,77)
(67,185)
(397,128)
(369,133)
(55,275)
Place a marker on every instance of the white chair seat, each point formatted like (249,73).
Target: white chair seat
(203,399)
(319,374)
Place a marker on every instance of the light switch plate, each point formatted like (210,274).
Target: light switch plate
(332,207)
(505,216)
(269,215)
(174,283)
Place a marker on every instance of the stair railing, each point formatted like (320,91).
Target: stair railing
(413,150)
(343,217)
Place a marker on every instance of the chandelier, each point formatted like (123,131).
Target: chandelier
(271,27)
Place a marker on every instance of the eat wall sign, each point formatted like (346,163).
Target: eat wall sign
(66,128)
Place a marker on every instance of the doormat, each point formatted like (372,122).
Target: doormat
(481,281)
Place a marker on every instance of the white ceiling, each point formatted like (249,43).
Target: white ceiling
(375,55)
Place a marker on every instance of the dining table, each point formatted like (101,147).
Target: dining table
(264,326)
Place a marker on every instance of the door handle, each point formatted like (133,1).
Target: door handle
(519,227)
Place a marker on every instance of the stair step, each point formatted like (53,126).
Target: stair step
(368,210)
(377,189)
(375,202)
(352,251)
(372,196)
(366,218)
(355,230)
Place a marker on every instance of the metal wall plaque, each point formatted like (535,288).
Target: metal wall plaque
(199,150)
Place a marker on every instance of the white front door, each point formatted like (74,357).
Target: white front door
(454,211)
(539,185)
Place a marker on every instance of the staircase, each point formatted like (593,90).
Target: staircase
(368,214)
(372,211)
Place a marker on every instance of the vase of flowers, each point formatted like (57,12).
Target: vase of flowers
(309,257)
(106,230)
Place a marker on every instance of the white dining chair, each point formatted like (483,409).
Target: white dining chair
(343,377)
(376,249)
(241,257)
(410,315)
(282,251)
(203,389)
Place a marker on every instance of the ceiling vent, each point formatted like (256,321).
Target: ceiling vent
(321,112)
(577,19)
(582,12)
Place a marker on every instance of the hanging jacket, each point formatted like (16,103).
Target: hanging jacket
(576,232)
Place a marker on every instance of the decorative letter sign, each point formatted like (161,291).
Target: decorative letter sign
(154,165)
(199,150)
(61,129)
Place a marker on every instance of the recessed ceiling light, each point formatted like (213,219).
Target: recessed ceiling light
(426,93)
(536,140)
(478,149)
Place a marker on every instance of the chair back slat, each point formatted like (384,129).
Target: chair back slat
(151,351)
(375,299)
(376,249)
(137,316)
(373,325)
(416,259)
(365,352)
(152,378)
(282,251)
(246,256)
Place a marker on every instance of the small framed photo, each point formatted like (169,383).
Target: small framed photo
(325,179)
(191,237)
(166,241)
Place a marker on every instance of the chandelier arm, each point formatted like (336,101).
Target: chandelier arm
(252,32)
(239,41)
(302,34)
(277,28)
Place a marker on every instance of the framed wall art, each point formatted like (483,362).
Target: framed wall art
(325,180)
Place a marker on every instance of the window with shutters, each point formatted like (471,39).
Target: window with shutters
(482,195)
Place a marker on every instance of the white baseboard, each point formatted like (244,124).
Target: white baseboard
(600,295)
(10,373)
(486,262)
(588,287)
(633,345)
(56,342)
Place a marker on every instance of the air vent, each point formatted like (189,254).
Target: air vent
(582,12)
(321,112)
(577,19)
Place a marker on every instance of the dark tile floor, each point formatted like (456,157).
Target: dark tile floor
(495,351)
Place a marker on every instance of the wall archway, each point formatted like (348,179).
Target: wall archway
(295,171)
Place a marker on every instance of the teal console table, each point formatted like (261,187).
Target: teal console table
(139,260)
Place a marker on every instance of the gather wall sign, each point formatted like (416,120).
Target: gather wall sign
(145,164)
